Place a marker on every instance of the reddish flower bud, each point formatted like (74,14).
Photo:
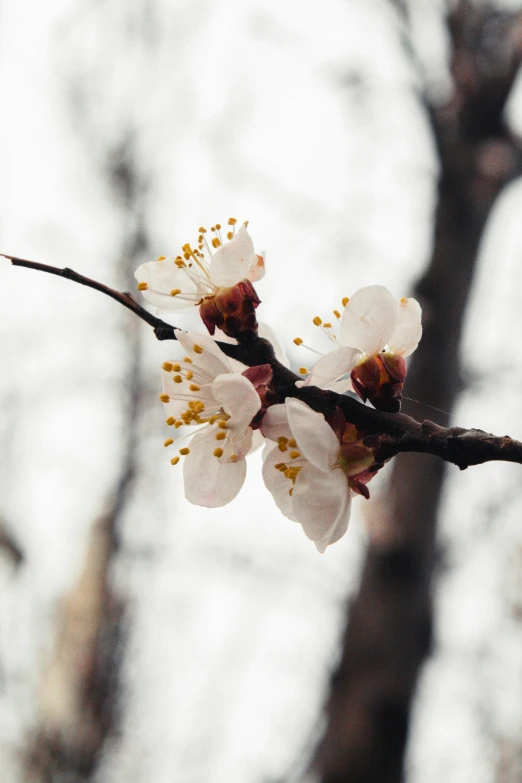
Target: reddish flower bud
(379,379)
(261,377)
(231,309)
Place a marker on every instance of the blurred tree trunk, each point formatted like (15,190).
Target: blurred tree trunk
(390,621)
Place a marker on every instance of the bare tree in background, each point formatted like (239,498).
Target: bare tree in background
(390,621)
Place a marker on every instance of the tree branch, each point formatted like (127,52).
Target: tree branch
(398,433)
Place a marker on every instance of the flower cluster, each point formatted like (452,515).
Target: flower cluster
(314,460)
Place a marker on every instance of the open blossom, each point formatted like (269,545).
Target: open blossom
(376,334)
(312,472)
(215,265)
(205,390)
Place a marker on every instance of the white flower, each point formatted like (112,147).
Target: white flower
(178,283)
(372,321)
(303,471)
(205,389)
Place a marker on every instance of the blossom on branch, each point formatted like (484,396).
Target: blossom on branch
(206,391)
(376,334)
(217,276)
(313,469)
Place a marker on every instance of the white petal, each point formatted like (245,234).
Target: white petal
(333,366)
(238,397)
(277,484)
(269,334)
(275,423)
(257,441)
(231,262)
(338,530)
(408,330)
(210,481)
(162,277)
(320,502)
(237,444)
(257,268)
(315,438)
(211,358)
(369,319)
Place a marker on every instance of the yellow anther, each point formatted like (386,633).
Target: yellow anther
(234,458)
(170,421)
(404,300)
(168,442)
(295,454)
(177,379)
(174,460)
(327,325)
(197,348)
(245,223)
(180,263)
(175,292)
(282,439)
(221,435)
(162,258)
(222,424)
(179,424)
(213,419)
(230,235)
(218,452)
(218,226)
(282,447)
(187,359)
(164,397)
(202,230)
(189,375)
(142,286)
(292,443)
(298,340)
(184,451)
(194,387)
(337,313)
(167,366)
(199,407)
(216,242)
(345,300)
(317,321)
(176,367)
(232,221)
(303,371)
(280,466)
(291,491)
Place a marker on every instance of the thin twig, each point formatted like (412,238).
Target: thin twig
(398,433)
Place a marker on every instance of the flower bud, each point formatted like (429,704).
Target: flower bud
(379,379)
(231,309)
(261,377)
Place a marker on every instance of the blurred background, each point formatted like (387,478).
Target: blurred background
(144,639)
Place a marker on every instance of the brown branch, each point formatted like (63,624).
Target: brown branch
(462,447)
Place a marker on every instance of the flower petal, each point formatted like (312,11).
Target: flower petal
(257,268)
(232,261)
(333,366)
(369,319)
(275,422)
(321,503)
(165,276)
(277,483)
(204,352)
(238,398)
(408,330)
(315,438)
(210,481)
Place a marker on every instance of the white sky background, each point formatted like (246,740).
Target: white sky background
(305,121)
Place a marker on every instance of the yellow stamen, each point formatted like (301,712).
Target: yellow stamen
(303,371)
(170,421)
(216,242)
(179,424)
(218,453)
(232,221)
(174,460)
(202,230)
(234,458)
(317,321)
(280,466)
(345,300)
(298,340)
(221,435)
(162,258)
(327,325)
(184,451)
(142,286)
(282,447)
(337,313)
(292,443)
(164,397)
(295,454)
(197,348)
(175,292)
(291,491)
(187,359)
(194,387)
(177,379)
(168,442)
(167,366)
(189,375)
(403,300)
(222,424)
(176,367)
(230,235)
